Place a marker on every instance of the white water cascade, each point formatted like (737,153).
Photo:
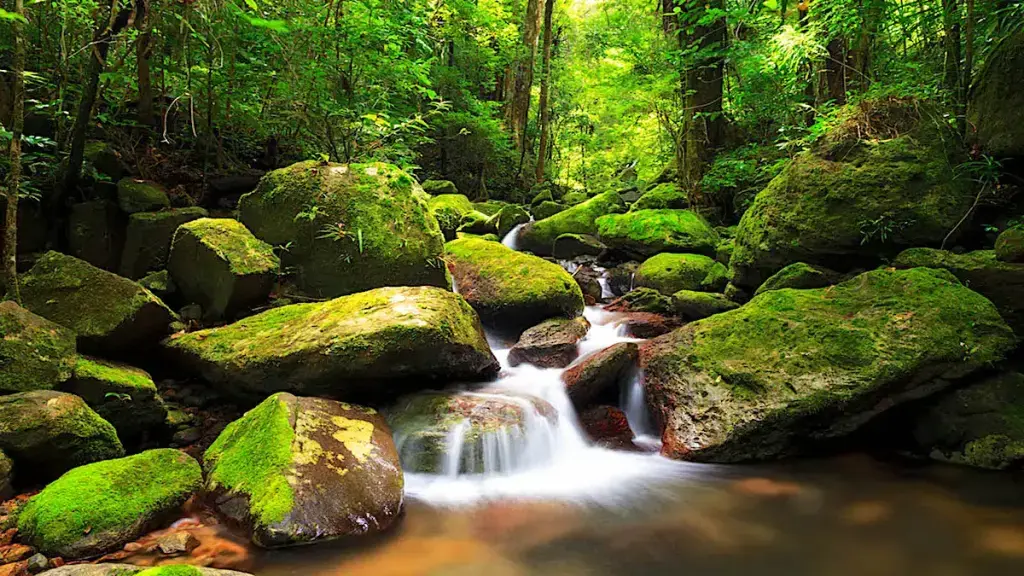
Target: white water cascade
(511,240)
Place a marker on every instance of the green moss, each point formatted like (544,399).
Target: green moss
(662,197)
(540,236)
(490,207)
(995,452)
(158,283)
(692,305)
(232,242)
(648,232)
(799,275)
(569,246)
(175,570)
(648,300)
(547,209)
(434,187)
(121,497)
(35,353)
(120,375)
(457,202)
(141,196)
(1010,245)
(574,198)
(508,218)
(669,273)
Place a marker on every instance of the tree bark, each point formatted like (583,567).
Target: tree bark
(705,126)
(545,87)
(10,255)
(143,52)
(951,45)
(520,109)
(835,70)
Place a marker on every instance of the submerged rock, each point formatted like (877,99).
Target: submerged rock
(669,273)
(302,470)
(692,305)
(148,239)
(100,507)
(793,367)
(372,344)
(644,233)
(550,344)
(996,110)
(511,290)
(799,275)
(35,354)
(600,375)
(134,195)
(539,237)
(122,395)
(348,228)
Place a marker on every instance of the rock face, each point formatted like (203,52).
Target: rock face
(644,233)
(1000,282)
(218,264)
(669,273)
(301,470)
(372,344)
(799,275)
(1010,245)
(796,366)
(148,239)
(511,290)
(880,181)
(550,344)
(665,196)
(539,237)
(96,233)
(691,305)
(122,395)
(134,195)
(598,376)
(108,313)
(349,228)
(100,507)
(35,354)
(47,433)
(996,109)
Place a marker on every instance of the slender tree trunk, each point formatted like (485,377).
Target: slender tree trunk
(951,44)
(835,71)
(10,255)
(520,109)
(808,66)
(966,79)
(705,126)
(545,87)
(143,52)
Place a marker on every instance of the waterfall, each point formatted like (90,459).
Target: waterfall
(511,240)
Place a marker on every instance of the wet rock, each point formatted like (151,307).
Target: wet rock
(643,300)
(37,563)
(670,273)
(102,506)
(793,367)
(666,196)
(218,264)
(177,543)
(110,314)
(132,570)
(621,279)
(372,344)
(121,394)
(608,427)
(148,239)
(600,375)
(644,233)
(539,236)
(47,433)
(349,228)
(511,290)
(692,305)
(800,276)
(15,569)
(134,195)
(1010,245)
(589,281)
(187,436)
(302,470)
(550,344)
(570,246)
(35,354)
(648,325)
(96,233)
(995,110)
(510,216)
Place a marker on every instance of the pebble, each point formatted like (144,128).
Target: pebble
(37,563)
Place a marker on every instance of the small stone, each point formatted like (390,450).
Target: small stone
(177,543)
(37,563)
(187,436)
(550,344)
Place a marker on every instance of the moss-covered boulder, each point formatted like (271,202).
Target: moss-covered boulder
(100,507)
(570,246)
(574,198)
(347,228)
(644,300)
(47,433)
(104,159)
(373,344)
(123,395)
(995,113)
(644,233)
(1010,245)
(148,239)
(135,195)
(669,273)
(160,284)
(723,253)
(665,196)
(490,207)
(599,377)
(6,475)
(96,233)
(692,305)
(218,264)
(793,367)
(450,211)
(35,354)
(801,276)
(539,237)
(1000,282)
(511,290)
(301,470)
(506,219)
(547,209)
(550,344)
(881,180)
(108,313)
(438,187)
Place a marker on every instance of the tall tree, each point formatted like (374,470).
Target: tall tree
(10,256)
(545,87)
(705,35)
(143,52)
(519,111)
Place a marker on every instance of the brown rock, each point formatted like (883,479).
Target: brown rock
(16,569)
(15,553)
(550,344)
(650,325)
(7,536)
(607,426)
(600,374)
(177,543)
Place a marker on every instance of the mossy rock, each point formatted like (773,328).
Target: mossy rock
(662,197)
(511,290)
(574,198)
(599,377)
(490,207)
(646,300)
(478,223)
(134,195)
(569,246)
(996,109)
(547,209)
(669,273)
(723,253)
(47,433)
(622,278)
(218,264)
(107,569)
(347,228)
(506,219)
(35,354)
(438,187)
(123,395)
(542,196)
(644,233)
(109,314)
(881,180)
(981,424)
(102,157)
(148,240)
(6,476)
(1000,282)
(539,236)
(372,344)
(301,470)
(692,305)
(1010,245)
(794,367)
(799,275)
(550,344)
(159,283)
(96,233)
(100,507)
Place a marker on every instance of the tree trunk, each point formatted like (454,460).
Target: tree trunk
(835,71)
(520,109)
(808,66)
(143,52)
(545,87)
(705,126)
(951,45)
(966,78)
(10,256)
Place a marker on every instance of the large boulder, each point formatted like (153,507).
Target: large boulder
(347,228)
(996,109)
(881,180)
(35,354)
(644,233)
(599,376)
(148,239)
(108,313)
(100,507)
(123,395)
(301,470)
(1001,282)
(547,209)
(96,233)
(539,237)
(506,219)
(667,196)
(452,211)
(136,195)
(47,433)
(550,344)
(1010,245)
(801,276)
(511,290)
(435,187)
(793,367)
(691,305)
(218,264)
(669,273)
(372,344)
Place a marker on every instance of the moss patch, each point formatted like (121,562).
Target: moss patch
(647,232)
(799,275)
(1010,245)
(176,570)
(662,197)
(35,354)
(670,273)
(540,236)
(135,195)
